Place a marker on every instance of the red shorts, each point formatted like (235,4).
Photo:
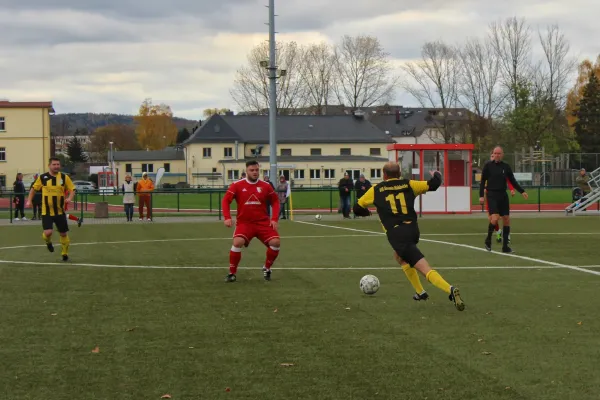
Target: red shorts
(250,231)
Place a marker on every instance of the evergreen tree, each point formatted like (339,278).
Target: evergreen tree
(183,135)
(75,151)
(587,127)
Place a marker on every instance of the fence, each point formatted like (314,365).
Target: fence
(207,202)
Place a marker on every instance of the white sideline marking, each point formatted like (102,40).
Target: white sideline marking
(26,246)
(70,264)
(466,246)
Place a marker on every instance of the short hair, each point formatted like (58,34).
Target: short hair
(391,169)
(251,162)
(53,159)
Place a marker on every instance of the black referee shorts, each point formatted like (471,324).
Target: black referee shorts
(404,239)
(60,221)
(498,203)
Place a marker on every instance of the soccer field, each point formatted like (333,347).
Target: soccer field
(142,310)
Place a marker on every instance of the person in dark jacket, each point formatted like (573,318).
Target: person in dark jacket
(345,187)
(19,199)
(37,201)
(361,186)
(266,179)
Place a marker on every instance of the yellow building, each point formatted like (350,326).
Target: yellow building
(137,162)
(24,139)
(312,150)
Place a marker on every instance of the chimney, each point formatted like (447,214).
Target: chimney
(397,116)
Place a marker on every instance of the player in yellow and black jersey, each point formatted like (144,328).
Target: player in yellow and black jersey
(53,185)
(394,199)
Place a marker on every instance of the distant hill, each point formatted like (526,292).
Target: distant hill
(66,124)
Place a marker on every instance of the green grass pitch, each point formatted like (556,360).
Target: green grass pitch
(151,298)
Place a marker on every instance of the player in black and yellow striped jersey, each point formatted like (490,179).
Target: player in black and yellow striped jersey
(53,185)
(394,199)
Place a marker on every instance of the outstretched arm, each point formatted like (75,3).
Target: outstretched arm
(420,187)
(360,208)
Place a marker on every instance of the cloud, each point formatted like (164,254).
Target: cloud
(107,55)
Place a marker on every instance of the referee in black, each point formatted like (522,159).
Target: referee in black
(493,178)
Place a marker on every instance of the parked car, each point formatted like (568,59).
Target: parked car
(84,186)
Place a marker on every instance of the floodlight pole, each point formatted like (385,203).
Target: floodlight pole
(272,94)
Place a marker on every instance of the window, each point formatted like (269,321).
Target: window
(128,168)
(2,181)
(206,152)
(375,151)
(329,173)
(167,167)
(228,152)
(2,124)
(345,152)
(2,153)
(214,170)
(298,174)
(375,173)
(315,174)
(286,152)
(233,174)
(147,167)
(315,152)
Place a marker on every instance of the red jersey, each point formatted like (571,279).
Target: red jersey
(252,199)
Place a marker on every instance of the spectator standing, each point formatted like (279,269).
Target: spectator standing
(19,199)
(345,187)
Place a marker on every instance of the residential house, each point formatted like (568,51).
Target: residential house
(24,139)
(136,162)
(312,150)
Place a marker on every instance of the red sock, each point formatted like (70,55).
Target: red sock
(497,227)
(272,253)
(235,255)
(72,217)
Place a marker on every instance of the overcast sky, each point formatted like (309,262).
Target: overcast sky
(108,55)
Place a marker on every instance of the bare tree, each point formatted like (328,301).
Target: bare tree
(480,78)
(363,72)
(433,80)
(317,75)
(251,85)
(556,70)
(511,39)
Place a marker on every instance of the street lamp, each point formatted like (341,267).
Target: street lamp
(112,163)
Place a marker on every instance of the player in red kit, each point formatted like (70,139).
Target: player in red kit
(251,196)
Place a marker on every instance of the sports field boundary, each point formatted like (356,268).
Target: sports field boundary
(466,246)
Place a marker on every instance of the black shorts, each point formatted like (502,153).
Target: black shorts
(60,221)
(404,239)
(498,203)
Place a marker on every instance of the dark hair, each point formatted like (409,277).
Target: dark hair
(53,159)
(251,162)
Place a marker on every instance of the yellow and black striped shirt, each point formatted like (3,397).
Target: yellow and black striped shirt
(53,192)
(395,200)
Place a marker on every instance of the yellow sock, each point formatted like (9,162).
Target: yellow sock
(437,281)
(47,239)
(64,244)
(413,278)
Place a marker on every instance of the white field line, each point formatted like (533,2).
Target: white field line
(303,237)
(70,264)
(26,246)
(466,246)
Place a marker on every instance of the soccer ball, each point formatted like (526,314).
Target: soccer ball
(318,217)
(369,284)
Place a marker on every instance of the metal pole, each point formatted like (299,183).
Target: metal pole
(272,93)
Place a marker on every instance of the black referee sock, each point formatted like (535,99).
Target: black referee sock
(491,229)
(505,233)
